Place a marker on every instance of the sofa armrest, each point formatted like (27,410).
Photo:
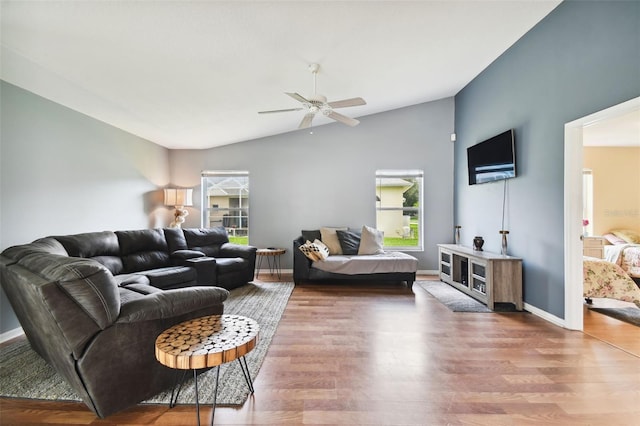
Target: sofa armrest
(206,269)
(301,263)
(186,254)
(237,250)
(171,303)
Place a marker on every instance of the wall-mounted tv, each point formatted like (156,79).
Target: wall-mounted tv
(493,159)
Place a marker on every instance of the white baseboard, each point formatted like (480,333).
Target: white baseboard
(421,272)
(11,334)
(545,315)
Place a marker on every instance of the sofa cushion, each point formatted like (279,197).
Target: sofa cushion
(89,284)
(230,264)
(175,239)
(102,247)
(208,241)
(349,241)
(42,245)
(314,250)
(172,276)
(143,250)
(311,235)
(330,239)
(371,241)
(129,279)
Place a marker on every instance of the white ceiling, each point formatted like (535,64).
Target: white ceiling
(187,74)
(623,130)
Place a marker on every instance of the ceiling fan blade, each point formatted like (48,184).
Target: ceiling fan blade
(306,121)
(280,110)
(343,119)
(298,98)
(347,103)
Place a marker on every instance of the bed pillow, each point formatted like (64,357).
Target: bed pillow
(330,238)
(631,237)
(349,242)
(371,241)
(613,239)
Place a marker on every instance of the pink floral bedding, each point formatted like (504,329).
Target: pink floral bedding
(625,255)
(606,279)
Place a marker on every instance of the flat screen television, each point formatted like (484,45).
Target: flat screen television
(493,159)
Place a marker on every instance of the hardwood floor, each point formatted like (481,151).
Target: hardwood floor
(384,354)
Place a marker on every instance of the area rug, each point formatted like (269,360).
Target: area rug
(23,374)
(457,301)
(629,314)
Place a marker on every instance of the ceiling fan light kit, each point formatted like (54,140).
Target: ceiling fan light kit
(318,103)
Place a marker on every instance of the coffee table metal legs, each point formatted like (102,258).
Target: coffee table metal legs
(245,372)
(175,392)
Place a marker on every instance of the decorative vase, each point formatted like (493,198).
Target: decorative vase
(457,234)
(503,250)
(478,242)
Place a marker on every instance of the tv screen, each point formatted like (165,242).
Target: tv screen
(493,159)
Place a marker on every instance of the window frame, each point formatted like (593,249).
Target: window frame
(418,177)
(205,218)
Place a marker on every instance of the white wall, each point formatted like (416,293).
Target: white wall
(63,172)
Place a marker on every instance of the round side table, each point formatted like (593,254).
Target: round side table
(207,342)
(273,259)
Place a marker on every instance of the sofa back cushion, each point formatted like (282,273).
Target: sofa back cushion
(89,284)
(143,250)
(175,239)
(208,241)
(99,246)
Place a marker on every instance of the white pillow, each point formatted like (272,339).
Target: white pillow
(322,250)
(330,239)
(315,250)
(309,250)
(371,241)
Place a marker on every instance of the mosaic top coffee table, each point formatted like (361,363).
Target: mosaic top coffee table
(204,343)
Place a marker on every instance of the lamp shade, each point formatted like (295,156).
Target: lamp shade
(178,197)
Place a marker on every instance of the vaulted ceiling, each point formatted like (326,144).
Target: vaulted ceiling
(194,74)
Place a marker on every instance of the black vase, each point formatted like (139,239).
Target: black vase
(478,242)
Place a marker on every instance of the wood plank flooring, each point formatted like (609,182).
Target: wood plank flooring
(383,354)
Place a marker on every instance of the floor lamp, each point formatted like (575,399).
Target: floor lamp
(178,198)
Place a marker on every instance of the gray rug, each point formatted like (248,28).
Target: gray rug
(453,299)
(629,314)
(23,374)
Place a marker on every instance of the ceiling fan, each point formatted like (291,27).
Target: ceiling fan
(318,103)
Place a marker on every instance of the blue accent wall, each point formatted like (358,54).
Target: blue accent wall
(582,58)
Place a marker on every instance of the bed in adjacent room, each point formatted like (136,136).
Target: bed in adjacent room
(608,280)
(623,249)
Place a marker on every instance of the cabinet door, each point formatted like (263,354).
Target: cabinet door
(445,266)
(478,276)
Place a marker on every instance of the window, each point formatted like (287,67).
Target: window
(225,202)
(399,208)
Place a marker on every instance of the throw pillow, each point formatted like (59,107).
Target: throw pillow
(349,242)
(310,251)
(322,250)
(371,241)
(311,235)
(632,237)
(330,238)
(613,239)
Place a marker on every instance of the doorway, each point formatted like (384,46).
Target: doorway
(573,165)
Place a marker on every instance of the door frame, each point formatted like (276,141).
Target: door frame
(573,165)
